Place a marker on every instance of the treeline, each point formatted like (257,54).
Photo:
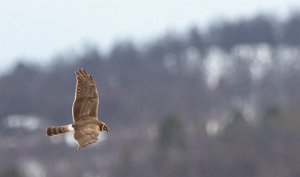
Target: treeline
(265,29)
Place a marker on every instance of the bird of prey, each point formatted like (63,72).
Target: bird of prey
(86,125)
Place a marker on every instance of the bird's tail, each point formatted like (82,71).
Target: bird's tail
(55,130)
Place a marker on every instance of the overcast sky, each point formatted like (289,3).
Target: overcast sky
(37,30)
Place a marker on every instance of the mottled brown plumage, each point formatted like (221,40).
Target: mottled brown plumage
(86,124)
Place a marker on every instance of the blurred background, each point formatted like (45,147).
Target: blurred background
(187,88)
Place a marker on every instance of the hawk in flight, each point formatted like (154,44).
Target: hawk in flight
(86,126)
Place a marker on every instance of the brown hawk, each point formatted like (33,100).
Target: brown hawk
(86,125)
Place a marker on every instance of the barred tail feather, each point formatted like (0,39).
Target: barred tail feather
(51,131)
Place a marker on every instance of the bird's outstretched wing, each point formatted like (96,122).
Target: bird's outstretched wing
(86,100)
(86,136)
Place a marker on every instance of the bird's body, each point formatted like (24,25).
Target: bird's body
(86,124)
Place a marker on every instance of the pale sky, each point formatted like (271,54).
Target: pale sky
(38,30)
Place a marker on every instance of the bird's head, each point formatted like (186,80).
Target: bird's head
(103,127)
